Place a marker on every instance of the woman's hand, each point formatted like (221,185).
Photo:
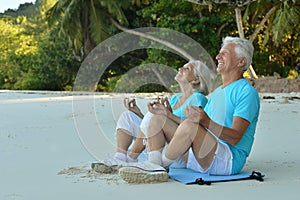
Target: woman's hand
(131,105)
(165,101)
(157,108)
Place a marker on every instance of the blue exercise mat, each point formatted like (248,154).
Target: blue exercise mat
(189,176)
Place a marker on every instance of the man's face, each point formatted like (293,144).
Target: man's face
(227,58)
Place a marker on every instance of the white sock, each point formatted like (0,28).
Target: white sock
(155,157)
(120,156)
(166,161)
(129,159)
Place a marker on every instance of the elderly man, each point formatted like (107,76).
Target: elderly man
(215,140)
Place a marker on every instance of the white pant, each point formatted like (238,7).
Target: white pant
(130,122)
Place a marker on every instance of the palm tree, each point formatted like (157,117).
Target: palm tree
(94,22)
(86,22)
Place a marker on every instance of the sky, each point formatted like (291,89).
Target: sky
(13,4)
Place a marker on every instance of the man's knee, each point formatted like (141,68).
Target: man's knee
(187,129)
(188,125)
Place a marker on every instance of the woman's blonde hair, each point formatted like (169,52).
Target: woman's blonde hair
(204,74)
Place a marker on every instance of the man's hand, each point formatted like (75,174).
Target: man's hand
(197,115)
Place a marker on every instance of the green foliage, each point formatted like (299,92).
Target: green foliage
(263,66)
(287,18)
(198,23)
(152,87)
(36,56)
(26,9)
(86,23)
(278,38)
(145,78)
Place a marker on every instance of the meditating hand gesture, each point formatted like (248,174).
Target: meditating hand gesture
(131,105)
(160,106)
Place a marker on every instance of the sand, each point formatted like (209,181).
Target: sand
(45,152)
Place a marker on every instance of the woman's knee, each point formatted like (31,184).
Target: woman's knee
(127,115)
(156,124)
(145,123)
(129,122)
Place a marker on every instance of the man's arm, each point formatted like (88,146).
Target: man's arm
(231,135)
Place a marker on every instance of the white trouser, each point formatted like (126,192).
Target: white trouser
(130,122)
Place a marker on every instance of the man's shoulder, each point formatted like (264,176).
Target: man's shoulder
(245,86)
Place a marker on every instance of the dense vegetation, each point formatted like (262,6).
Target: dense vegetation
(42,45)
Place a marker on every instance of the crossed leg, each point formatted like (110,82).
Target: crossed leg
(160,132)
(189,134)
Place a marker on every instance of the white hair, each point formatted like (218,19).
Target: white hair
(244,49)
(205,75)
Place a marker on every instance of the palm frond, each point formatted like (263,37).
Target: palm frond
(98,27)
(87,22)
(258,9)
(55,13)
(71,25)
(115,10)
(95,26)
(285,21)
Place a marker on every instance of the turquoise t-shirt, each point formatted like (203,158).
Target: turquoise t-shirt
(237,99)
(196,99)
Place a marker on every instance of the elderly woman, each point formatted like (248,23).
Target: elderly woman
(132,126)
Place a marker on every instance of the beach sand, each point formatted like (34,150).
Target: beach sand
(45,150)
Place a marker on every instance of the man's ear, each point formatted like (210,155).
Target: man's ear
(242,62)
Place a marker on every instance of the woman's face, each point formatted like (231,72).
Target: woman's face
(186,73)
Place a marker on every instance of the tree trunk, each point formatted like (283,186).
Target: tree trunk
(88,42)
(151,37)
(239,23)
(263,21)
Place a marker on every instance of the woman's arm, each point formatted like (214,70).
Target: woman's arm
(132,106)
(160,109)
